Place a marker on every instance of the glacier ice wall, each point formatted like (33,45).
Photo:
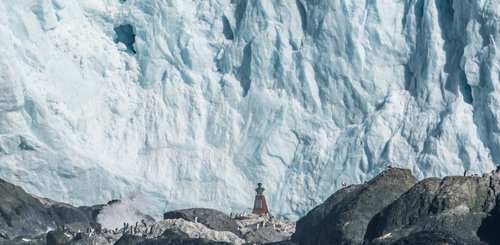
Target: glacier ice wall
(193,102)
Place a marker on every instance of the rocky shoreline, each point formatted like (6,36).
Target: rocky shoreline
(391,209)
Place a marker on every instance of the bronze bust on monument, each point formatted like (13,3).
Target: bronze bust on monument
(260,204)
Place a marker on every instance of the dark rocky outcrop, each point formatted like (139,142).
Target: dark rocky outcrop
(454,205)
(211,218)
(92,212)
(22,214)
(488,231)
(392,210)
(344,217)
(489,228)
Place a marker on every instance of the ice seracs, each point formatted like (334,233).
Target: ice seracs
(213,96)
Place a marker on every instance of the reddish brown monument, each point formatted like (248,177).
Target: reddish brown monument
(260,204)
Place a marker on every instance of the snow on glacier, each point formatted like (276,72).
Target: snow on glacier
(215,96)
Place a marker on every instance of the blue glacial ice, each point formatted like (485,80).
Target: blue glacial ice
(193,102)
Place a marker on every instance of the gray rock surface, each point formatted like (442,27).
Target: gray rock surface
(22,214)
(98,240)
(263,235)
(344,217)
(57,238)
(211,218)
(454,210)
(455,206)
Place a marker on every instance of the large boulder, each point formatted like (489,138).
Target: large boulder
(211,218)
(455,206)
(417,202)
(344,217)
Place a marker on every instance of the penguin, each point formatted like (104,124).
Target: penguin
(465,173)
(344,184)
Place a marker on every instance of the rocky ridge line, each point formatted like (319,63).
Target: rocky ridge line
(394,208)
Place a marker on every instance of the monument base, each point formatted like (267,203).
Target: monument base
(260,205)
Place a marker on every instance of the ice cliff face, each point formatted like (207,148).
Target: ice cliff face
(193,102)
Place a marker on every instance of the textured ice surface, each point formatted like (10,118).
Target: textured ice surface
(203,99)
